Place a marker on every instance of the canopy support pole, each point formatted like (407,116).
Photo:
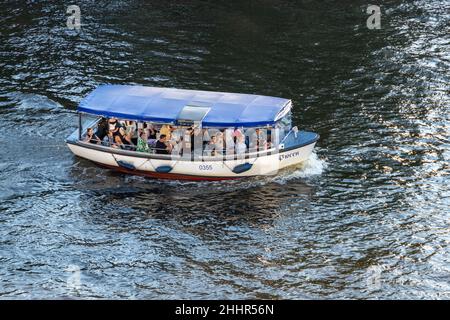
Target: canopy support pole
(79,126)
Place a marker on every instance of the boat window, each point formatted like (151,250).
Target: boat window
(284,125)
(88,121)
(85,121)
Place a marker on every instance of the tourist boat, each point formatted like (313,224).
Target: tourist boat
(232,114)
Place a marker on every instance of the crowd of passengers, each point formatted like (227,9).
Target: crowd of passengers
(167,139)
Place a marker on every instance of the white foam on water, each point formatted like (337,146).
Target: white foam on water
(311,167)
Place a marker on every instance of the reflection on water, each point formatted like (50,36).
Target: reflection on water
(365,217)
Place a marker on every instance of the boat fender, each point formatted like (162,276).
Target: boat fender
(242,167)
(163,169)
(126,165)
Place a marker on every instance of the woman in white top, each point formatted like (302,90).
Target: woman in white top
(130,129)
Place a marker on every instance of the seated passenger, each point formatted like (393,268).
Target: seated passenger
(118,142)
(126,138)
(210,148)
(166,130)
(257,140)
(237,132)
(91,137)
(219,143)
(177,148)
(229,141)
(162,146)
(108,140)
(176,136)
(197,141)
(102,128)
(151,131)
(113,125)
(118,139)
(142,143)
(206,137)
(269,143)
(263,145)
(130,131)
(241,147)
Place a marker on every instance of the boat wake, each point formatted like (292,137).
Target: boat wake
(312,167)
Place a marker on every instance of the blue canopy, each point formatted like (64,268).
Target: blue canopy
(165,105)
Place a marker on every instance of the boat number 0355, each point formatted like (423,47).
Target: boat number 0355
(205,167)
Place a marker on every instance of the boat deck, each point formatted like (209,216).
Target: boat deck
(298,139)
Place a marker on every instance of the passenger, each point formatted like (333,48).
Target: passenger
(166,130)
(102,128)
(142,143)
(162,146)
(178,147)
(119,142)
(210,148)
(91,137)
(176,136)
(122,123)
(188,139)
(219,143)
(124,138)
(257,140)
(229,141)
(151,131)
(263,144)
(113,125)
(252,140)
(197,142)
(269,143)
(237,133)
(108,140)
(206,137)
(241,147)
(130,131)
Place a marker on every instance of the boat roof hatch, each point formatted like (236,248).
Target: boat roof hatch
(192,114)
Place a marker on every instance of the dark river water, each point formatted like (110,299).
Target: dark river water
(366,217)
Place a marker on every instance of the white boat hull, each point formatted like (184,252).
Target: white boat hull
(217,169)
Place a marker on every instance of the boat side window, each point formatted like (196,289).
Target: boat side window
(87,121)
